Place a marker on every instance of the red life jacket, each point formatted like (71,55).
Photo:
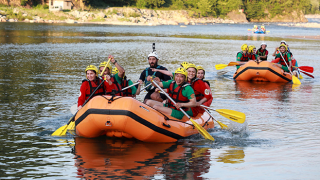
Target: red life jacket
(285,56)
(118,86)
(245,57)
(200,95)
(125,83)
(93,86)
(176,95)
(252,56)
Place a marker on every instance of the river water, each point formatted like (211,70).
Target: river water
(42,66)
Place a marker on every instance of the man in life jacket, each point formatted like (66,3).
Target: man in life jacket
(277,48)
(202,93)
(263,28)
(91,83)
(243,55)
(180,91)
(252,53)
(148,74)
(125,82)
(263,52)
(113,78)
(285,65)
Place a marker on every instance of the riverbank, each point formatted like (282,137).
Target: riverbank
(114,16)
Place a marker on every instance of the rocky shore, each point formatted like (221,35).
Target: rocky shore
(125,16)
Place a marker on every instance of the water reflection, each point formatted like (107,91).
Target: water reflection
(118,158)
(263,90)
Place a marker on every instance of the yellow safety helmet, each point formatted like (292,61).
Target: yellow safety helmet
(251,47)
(244,47)
(190,65)
(103,64)
(92,68)
(182,71)
(115,70)
(284,46)
(262,26)
(184,64)
(200,68)
(255,26)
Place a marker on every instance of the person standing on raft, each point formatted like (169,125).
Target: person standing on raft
(180,91)
(148,74)
(263,52)
(243,55)
(91,83)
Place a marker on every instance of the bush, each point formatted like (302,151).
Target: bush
(23,2)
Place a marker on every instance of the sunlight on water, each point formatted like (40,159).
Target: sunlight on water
(42,66)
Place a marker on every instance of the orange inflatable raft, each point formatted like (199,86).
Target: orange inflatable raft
(263,71)
(128,117)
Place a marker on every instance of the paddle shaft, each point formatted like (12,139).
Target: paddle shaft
(130,86)
(207,107)
(146,87)
(171,99)
(286,64)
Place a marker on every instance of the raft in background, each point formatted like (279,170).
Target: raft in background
(259,31)
(129,118)
(264,72)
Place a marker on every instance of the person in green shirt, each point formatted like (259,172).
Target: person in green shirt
(285,55)
(180,91)
(125,82)
(243,55)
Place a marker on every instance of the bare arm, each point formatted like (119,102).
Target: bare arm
(120,68)
(162,71)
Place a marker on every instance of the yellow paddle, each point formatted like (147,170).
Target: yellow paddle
(70,125)
(222,66)
(235,116)
(201,130)
(223,126)
(295,80)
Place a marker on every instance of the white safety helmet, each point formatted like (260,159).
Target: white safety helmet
(263,43)
(154,54)
(283,41)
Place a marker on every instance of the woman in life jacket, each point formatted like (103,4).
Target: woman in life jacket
(201,75)
(263,52)
(91,83)
(252,54)
(243,55)
(180,91)
(116,78)
(202,92)
(125,82)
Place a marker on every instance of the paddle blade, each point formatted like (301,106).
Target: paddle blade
(295,80)
(201,130)
(306,68)
(300,76)
(60,131)
(223,126)
(71,126)
(235,116)
(307,74)
(249,29)
(220,66)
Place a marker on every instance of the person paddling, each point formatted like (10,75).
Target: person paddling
(148,74)
(263,52)
(243,55)
(202,92)
(91,83)
(277,48)
(125,82)
(285,55)
(180,91)
(116,78)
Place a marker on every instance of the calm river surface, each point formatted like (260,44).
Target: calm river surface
(41,68)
